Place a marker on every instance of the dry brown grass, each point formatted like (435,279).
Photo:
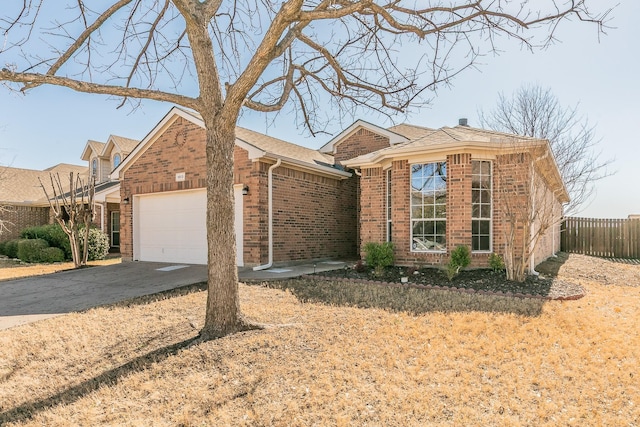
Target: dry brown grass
(568,363)
(10,269)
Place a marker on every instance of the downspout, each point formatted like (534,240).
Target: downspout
(270,207)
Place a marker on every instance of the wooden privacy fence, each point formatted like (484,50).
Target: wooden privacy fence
(611,238)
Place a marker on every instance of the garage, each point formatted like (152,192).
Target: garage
(171,227)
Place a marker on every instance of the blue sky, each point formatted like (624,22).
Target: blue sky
(51,125)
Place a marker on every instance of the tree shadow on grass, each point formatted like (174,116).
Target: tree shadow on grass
(406,299)
(551,266)
(28,410)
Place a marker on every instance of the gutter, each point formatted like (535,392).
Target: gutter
(270,184)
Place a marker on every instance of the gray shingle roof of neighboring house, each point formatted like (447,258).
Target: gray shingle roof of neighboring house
(22,186)
(124,144)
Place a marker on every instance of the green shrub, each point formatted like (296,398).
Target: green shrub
(53,234)
(496,263)
(98,244)
(378,256)
(11,248)
(29,249)
(51,254)
(2,245)
(460,258)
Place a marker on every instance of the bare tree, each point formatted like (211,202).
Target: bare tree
(262,55)
(73,210)
(527,204)
(535,111)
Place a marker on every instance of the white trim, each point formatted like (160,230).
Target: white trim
(394,138)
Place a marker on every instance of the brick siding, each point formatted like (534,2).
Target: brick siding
(361,142)
(510,175)
(314,216)
(17,218)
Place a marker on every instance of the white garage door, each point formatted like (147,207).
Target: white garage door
(171,227)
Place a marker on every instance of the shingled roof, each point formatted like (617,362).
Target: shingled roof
(22,186)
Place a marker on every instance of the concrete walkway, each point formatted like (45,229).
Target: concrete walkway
(34,298)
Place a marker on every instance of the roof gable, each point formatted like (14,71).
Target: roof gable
(120,144)
(394,138)
(256,144)
(91,149)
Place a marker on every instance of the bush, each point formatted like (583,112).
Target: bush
(11,248)
(2,245)
(496,263)
(52,254)
(29,249)
(53,234)
(98,244)
(460,258)
(378,256)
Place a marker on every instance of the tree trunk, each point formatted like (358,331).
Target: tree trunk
(223,315)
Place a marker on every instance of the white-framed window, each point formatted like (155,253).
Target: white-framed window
(388,199)
(116,160)
(94,167)
(429,207)
(481,206)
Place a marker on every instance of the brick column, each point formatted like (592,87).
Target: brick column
(458,201)
(372,215)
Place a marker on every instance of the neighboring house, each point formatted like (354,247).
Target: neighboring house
(23,198)
(102,158)
(634,216)
(430,192)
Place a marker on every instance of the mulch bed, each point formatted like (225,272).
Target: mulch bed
(481,281)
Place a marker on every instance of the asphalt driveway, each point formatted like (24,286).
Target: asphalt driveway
(35,298)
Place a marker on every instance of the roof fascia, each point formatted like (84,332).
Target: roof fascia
(394,138)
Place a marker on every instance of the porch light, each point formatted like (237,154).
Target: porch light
(245,190)
(125,200)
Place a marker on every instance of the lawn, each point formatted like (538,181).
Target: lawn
(466,359)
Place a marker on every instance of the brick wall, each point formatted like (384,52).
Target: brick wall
(314,216)
(17,218)
(510,177)
(361,142)
(512,185)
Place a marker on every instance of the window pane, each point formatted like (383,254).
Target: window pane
(475,196)
(441,227)
(475,211)
(475,227)
(485,211)
(416,212)
(485,196)
(441,197)
(484,243)
(484,227)
(441,211)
